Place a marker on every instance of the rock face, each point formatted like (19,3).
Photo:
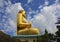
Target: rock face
(6,38)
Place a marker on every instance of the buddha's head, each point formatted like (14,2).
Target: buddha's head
(22,11)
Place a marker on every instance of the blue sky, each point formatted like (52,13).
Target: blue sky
(42,14)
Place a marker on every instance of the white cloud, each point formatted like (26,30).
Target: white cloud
(1,3)
(46,19)
(49,13)
(10,13)
(29,1)
(56,1)
(58,10)
(12,23)
(40,6)
(30,12)
(46,2)
(13,10)
(39,22)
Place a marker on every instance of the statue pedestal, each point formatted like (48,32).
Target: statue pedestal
(27,38)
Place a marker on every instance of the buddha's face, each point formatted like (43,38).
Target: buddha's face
(23,13)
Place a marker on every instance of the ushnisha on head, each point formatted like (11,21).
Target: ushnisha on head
(22,11)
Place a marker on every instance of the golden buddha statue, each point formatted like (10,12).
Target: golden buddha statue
(24,28)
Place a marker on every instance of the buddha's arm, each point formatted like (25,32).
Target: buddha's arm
(24,25)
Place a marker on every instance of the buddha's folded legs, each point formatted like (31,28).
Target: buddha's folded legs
(23,26)
(30,31)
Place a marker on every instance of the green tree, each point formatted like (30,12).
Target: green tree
(58,32)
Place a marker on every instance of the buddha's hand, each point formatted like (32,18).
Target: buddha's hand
(30,22)
(29,25)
